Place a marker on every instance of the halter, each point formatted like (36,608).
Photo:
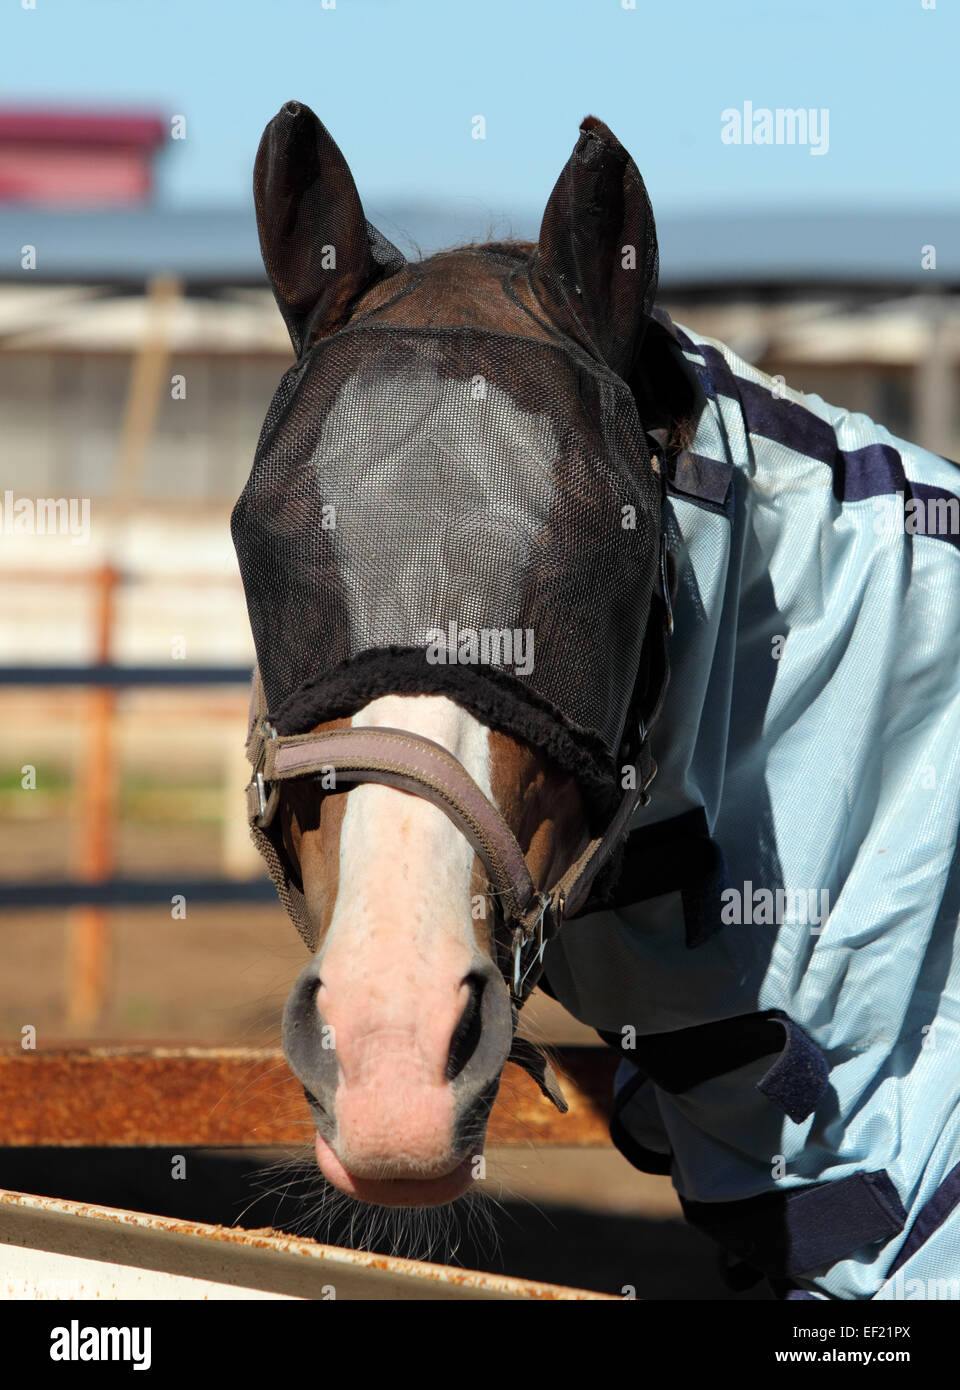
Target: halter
(412,763)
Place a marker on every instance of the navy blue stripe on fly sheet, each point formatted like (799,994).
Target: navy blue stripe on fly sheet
(703,481)
(804,1228)
(679,1060)
(925,495)
(876,470)
(646,1160)
(930,1217)
(676,855)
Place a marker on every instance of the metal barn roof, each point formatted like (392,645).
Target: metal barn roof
(698,252)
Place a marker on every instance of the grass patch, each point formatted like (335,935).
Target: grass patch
(144,800)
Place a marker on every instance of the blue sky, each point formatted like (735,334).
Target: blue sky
(399,81)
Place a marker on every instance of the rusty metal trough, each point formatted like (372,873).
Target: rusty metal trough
(232,1097)
(51,1248)
(226,1097)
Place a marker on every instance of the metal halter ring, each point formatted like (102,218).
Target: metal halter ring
(267,800)
(665,583)
(522,941)
(268,794)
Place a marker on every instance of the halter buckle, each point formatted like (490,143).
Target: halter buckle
(644,790)
(267,793)
(533,936)
(267,801)
(665,583)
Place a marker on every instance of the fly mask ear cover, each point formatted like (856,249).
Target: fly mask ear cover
(457,510)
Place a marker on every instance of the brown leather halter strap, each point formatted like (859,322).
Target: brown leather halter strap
(412,763)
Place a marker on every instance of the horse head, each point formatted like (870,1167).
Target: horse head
(452,554)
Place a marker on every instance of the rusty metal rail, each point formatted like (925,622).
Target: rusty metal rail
(243,1097)
(52,1248)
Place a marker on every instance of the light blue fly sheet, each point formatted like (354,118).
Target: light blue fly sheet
(782,975)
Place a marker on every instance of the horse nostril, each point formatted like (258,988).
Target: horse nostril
(313,1102)
(466,1035)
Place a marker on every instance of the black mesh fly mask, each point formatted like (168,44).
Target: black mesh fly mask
(448,508)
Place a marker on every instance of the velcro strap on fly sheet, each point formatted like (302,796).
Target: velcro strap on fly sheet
(679,1060)
(801,1229)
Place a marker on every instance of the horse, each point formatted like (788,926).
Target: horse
(507,526)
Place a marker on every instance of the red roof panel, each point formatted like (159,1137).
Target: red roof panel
(139,129)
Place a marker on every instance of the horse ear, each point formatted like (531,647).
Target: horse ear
(318,248)
(595,267)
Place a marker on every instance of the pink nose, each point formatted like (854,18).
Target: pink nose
(397,1121)
(393,1029)
(400,1058)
